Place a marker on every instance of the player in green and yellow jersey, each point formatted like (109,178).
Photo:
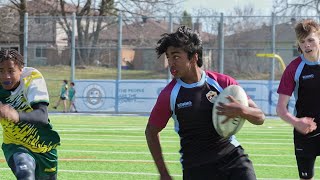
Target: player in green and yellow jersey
(29,142)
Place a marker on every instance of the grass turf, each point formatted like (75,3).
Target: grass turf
(114,147)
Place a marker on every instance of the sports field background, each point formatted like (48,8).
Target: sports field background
(104,147)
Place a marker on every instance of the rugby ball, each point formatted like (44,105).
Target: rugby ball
(232,126)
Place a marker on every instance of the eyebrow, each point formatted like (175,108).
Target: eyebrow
(174,52)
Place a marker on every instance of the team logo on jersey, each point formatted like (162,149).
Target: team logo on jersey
(212,96)
(94,96)
(310,76)
(184,104)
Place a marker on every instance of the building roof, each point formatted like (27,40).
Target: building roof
(148,29)
(41,28)
(284,33)
(36,7)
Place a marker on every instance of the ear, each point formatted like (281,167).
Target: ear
(195,57)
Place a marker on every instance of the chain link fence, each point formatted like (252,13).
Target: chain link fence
(117,48)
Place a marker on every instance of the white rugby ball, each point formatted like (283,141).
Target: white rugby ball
(232,126)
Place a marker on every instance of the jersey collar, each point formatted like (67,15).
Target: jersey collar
(196,84)
(309,62)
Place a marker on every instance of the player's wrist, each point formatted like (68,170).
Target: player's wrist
(294,121)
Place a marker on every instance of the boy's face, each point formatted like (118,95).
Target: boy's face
(178,62)
(310,46)
(9,74)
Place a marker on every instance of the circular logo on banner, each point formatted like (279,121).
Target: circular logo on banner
(94,96)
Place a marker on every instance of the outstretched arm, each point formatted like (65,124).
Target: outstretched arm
(153,140)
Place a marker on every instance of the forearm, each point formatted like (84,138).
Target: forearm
(253,114)
(38,116)
(285,115)
(282,110)
(156,151)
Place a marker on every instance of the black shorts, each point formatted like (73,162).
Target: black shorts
(306,150)
(63,98)
(235,166)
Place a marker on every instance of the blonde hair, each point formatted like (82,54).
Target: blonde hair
(304,28)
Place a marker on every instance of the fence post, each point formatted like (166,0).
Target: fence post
(73,47)
(273,49)
(25,43)
(119,60)
(170,31)
(221,44)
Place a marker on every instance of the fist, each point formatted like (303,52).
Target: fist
(9,113)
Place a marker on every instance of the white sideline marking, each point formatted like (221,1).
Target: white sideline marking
(115,135)
(282,143)
(113,140)
(131,173)
(113,160)
(115,152)
(165,153)
(107,172)
(168,141)
(99,129)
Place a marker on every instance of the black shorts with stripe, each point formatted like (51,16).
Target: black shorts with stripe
(235,166)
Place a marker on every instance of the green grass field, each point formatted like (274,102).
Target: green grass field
(114,147)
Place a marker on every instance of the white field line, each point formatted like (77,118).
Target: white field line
(175,136)
(165,153)
(106,172)
(265,132)
(130,173)
(114,140)
(271,133)
(104,125)
(167,141)
(266,143)
(96,126)
(115,152)
(99,129)
(151,161)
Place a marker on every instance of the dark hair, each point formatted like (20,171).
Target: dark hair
(65,81)
(12,55)
(72,83)
(183,38)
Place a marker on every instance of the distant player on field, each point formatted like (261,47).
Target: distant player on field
(63,96)
(71,97)
(29,143)
(302,78)
(187,99)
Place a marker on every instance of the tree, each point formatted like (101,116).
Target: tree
(105,10)
(21,7)
(91,19)
(186,19)
(297,7)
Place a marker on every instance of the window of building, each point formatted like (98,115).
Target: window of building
(41,52)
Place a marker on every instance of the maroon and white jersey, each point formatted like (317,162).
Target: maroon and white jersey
(302,78)
(190,107)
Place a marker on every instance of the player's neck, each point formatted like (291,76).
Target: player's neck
(193,76)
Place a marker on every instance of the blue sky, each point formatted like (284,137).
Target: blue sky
(264,7)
